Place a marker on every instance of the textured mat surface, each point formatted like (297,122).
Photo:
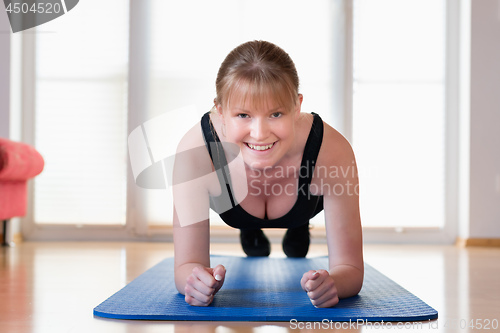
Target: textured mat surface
(262,289)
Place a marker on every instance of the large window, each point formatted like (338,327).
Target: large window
(100,75)
(399,111)
(190,39)
(80,115)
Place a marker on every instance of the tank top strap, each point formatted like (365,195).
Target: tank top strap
(216,152)
(213,143)
(311,151)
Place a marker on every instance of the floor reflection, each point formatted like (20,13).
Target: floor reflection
(53,287)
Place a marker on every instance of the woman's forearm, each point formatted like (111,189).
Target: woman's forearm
(181,273)
(348,280)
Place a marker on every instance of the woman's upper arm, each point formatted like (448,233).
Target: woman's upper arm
(191,181)
(341,201)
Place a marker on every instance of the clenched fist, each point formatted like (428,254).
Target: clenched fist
(203,284)
(320,288)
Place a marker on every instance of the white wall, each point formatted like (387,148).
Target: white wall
(5,33)
(484,209)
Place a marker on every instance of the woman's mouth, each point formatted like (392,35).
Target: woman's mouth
(260,147)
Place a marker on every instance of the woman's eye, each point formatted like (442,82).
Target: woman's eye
(276,115)
(242,115)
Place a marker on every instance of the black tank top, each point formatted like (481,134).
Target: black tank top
(306,206)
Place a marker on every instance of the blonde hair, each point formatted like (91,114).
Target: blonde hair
(258,70)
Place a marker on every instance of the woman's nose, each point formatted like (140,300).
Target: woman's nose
(260,129)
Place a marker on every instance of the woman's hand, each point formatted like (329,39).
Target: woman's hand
(320,288)
(203,284)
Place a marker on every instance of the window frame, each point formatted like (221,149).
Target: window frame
(136,227)
(448,233)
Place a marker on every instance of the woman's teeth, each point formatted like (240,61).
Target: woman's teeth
(266,147)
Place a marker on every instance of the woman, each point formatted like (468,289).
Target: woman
(261,163)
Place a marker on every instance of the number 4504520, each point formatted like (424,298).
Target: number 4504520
(475,324)
(36,8)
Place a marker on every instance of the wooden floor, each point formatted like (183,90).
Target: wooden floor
(53,287)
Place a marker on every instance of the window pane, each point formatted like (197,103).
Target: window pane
(191,38)
(81,115)
(399,111)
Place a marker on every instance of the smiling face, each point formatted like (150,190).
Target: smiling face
(258,102)
(263,129)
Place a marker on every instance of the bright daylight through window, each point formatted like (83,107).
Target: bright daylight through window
(398,97)
(399,111)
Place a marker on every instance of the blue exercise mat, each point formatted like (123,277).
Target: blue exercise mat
(262,289)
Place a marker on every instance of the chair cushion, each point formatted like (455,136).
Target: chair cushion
(18,161)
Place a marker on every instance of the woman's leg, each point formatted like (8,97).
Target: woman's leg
(255,243)
(296,241)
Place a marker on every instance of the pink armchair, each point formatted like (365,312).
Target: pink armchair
(18,163)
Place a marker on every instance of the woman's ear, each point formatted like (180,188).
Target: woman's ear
(298,105)
(218,107)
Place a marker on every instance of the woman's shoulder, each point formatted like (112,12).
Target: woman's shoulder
(334,144)
(192,159)
(191,139)
(336,152)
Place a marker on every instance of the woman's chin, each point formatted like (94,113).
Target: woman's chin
(261,159)
(257,163)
